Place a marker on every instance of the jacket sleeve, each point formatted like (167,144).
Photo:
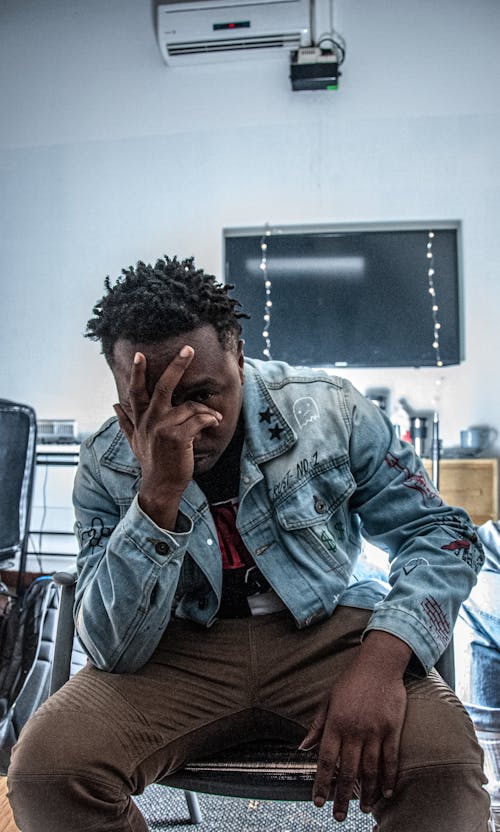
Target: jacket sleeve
(128,570)
(434,551)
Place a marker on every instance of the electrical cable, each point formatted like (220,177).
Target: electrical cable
(332,37)
(38,553)
(312,20)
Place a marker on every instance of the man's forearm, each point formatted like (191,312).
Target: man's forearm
(162,511)
(385,652)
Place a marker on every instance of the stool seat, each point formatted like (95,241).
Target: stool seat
(267,770)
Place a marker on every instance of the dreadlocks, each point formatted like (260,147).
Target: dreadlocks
(148,304)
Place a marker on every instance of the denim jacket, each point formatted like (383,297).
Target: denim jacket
(320,467)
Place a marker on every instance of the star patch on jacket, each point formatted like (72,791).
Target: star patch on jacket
(276,431)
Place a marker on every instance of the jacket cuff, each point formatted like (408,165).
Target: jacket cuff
(156,543)
(411,630)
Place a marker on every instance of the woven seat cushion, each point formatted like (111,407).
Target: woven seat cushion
(267,770)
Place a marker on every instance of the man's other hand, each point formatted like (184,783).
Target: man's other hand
(359,726)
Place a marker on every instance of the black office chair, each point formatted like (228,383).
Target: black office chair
(17,467)
(265,770)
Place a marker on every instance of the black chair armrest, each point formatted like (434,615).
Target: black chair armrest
(61,664)
(66,578)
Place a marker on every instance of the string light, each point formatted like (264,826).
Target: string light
(432,292)
(266,332)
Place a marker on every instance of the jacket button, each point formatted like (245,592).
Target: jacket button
(162,548)
(320,505)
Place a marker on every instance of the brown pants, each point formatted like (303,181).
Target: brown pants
(106,736)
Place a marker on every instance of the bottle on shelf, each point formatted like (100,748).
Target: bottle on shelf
(400,418)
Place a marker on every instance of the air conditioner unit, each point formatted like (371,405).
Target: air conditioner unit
(205,31)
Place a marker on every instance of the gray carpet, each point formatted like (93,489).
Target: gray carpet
(165,809)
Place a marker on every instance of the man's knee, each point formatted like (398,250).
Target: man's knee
(60,741)
(437,730)
(65,769)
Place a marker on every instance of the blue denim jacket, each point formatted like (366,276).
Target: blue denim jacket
(320,467)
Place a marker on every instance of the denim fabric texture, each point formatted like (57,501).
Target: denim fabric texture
(320,467)
(478,659)
(480,629)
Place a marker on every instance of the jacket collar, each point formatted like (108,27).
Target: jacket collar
(267,432)
(118,454)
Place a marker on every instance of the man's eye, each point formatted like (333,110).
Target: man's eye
(199,396)
(202,396)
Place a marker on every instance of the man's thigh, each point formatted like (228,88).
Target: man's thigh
(437,730)
(192,681)
(297,668)
(299,672)
(208,689)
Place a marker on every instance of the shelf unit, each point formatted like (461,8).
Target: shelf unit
(470,483)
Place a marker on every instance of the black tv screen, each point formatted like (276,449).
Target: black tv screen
(347,297)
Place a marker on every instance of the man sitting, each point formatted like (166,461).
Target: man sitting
(219,516)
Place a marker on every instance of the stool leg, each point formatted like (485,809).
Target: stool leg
(193,806)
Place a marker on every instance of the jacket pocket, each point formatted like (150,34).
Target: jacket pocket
(314,501)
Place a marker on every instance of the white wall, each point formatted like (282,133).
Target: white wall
(108,157)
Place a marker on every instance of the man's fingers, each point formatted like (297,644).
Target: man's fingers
(325,772)
(193,410)
(195,424)
(171,376)
(138,394)
(370,776)
(390,755)
(315,732)
(345,778)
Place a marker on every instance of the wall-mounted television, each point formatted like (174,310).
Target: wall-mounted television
(350,295)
